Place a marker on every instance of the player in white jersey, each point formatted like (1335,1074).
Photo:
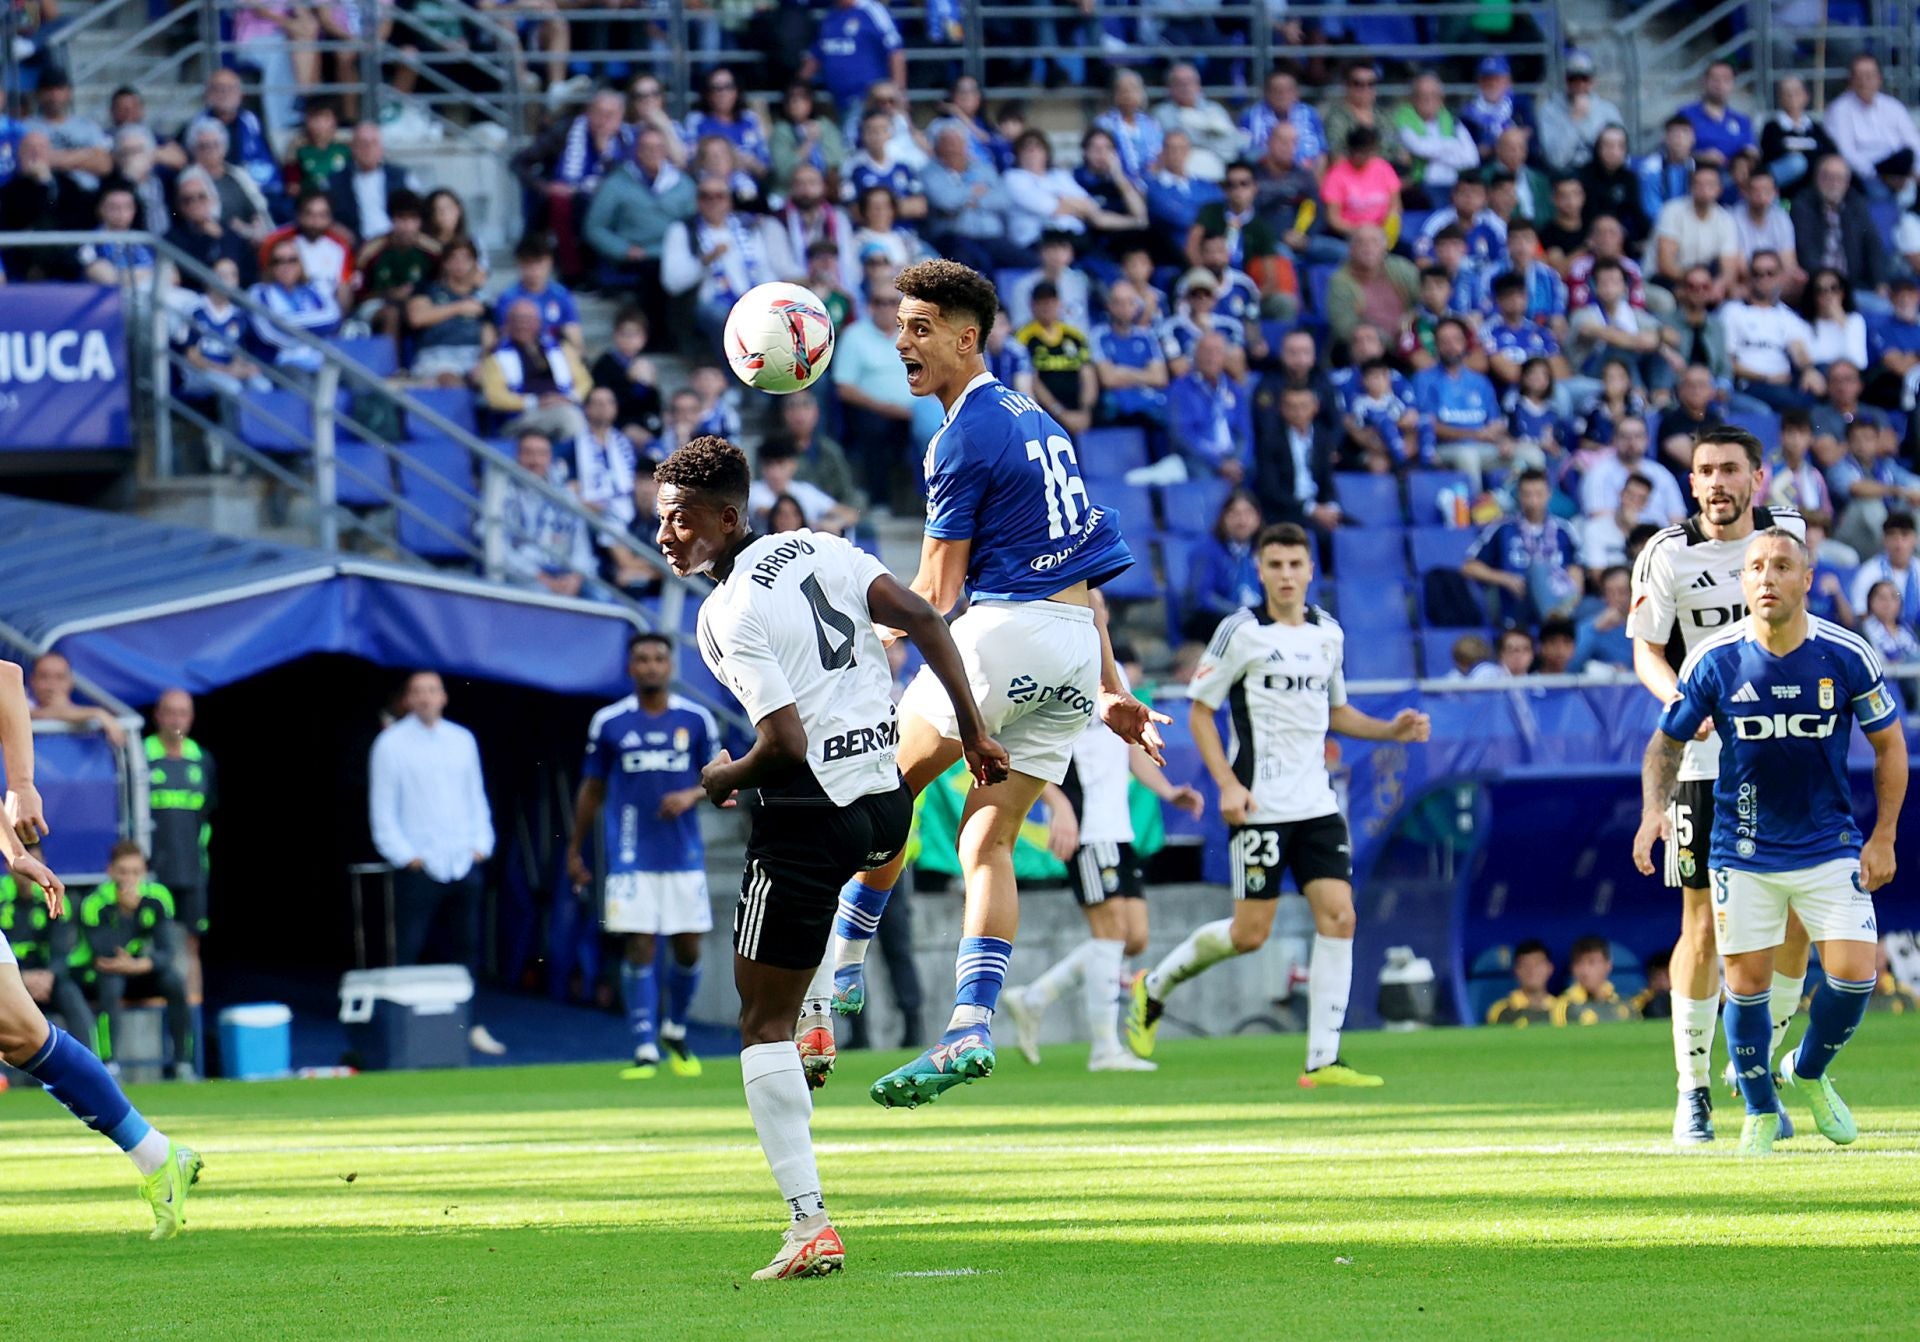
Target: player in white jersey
(1280,665)
(1091,830)
(790,630)
(1686,588)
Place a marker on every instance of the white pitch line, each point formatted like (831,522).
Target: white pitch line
(951,1272)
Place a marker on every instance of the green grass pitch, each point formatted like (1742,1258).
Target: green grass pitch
(1502,1185)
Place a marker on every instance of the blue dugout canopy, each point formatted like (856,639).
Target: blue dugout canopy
(138,606)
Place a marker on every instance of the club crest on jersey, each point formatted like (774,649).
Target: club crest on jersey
(682,738)
(1687,864)
(1826,694)
(1256,880)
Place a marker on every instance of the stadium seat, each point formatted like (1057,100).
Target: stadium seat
(1134,509)
(1191,509)
(376,354)
(1489,978)
(1436,649)
(1371,607)
(1370,552)
(1318,278)
(1108,454)
(1380,659)
(1371,500)
(1440,547)
(1885,215)
(1762,424)
(456,403)
(1176,560)
(1423,493)
(1138,582)
(279,422)
(453,512)
(1629,974)
(363,475)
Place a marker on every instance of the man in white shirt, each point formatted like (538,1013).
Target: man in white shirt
(1873,132)
(1216,140)
(1603,540)
(1768,342)
(430,820)
(1601,486)
(1698,231)
(1763,226)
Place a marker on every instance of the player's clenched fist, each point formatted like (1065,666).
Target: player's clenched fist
(1653,825)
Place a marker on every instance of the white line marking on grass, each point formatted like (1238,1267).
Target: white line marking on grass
(951,1272)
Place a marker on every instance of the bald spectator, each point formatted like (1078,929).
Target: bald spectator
(536,383)
(1873,132)
(1373,287)
(181,797)
(1175,192)
(1834,230)
(1439,144)
(360,195)
(38,196)
(563,168)
(50,686)
(1210,415)
(1208,125)
(248,147)
(430,819)
(1571,123)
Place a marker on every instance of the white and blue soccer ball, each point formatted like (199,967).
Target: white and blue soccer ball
(779,338)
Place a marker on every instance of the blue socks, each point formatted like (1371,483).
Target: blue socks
(1749,1040)
(979,971)
(640,992)
(1835,1014)
(682,982)
(858,919)
(77,1079)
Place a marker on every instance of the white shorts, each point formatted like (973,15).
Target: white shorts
(658,902)
(1035,671)
(1750,907)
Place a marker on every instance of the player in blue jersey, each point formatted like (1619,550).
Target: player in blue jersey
(1784,690)
(51,1056)
(644,756)
(1012,529)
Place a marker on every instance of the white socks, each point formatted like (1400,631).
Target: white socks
(782,1110)
(150,1152)
(1071,968)
(1329,981)
(1100,991)
(819,998)
(1208,944)
(1693,1040)
(1784,999)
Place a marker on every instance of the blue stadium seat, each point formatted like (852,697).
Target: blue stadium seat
(1108,454)
(1192,508)
(451,511)
(1629,974)
(1176,559)
(1380,659)
(1134,509)
(1318,277)
(376,354)
(1440,547)
(1370,552)
(1423,493)
(1371,500)
(1273,330)
(1489,978)
(1762,424)
(355,465)
(279,422)
(456,403)
(1369,606)
(1138,582)
(1885,215)
(1436,649)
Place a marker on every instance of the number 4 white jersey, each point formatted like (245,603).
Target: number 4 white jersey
(789,624)
(1686,589)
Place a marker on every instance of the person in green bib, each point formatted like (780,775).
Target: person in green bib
(47,949)
(136,949)
(181,797)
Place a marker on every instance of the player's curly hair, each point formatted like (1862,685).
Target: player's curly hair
(708,465)
(954,289)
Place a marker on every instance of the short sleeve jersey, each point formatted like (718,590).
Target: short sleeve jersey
(1281,682)
(641,757)
(789,624)
(1002,473)
(1686,589)
(1782,801)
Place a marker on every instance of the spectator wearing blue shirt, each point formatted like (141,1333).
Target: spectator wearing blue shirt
(1495,108)
(1469,430)
(1469,277)
(856,47)
(1666,174)
(720,113)
(1136,134)
(1546,291)
(1468,211)
(559,314)
(1224,575)
(1533,558)
(1200,317)
(1129,362)
(1511,337)
(1174,196)
(248,147)
(874,165)
(1866,484)
(1281,105)
(289,295)
(1532,414)
(1893,345)
(1210,416)
(211,333)
(1827,598)
(1601,639)
(1720,133)
(117,262)
(1385,423)
(1367,346)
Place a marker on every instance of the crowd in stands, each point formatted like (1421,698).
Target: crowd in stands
(1491,311)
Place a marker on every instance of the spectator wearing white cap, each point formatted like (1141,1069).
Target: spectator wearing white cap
(1570,123)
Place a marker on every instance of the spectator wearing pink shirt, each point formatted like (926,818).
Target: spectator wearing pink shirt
(1361,190)
(267,33)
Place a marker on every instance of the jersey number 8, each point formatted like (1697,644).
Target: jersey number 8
(1062,485)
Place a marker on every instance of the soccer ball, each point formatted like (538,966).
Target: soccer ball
(779,338)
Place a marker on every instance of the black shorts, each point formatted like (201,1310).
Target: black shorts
(799,856)
(1313,850)
(1099,872)
(1690,855)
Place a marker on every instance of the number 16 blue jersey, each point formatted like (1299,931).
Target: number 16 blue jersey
(1002,473)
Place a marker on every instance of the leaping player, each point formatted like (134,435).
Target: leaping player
(1010,525)
(61,1063)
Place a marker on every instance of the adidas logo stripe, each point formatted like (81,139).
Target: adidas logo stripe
(1746,694)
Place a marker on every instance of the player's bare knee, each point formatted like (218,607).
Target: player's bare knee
(640,949)
(1137,944)
(23,1030)
(1248,939)
(1336,923)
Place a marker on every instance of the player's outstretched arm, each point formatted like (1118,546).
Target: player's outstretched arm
(26,814)
(1126,717)
(1659,771)
(1889,744)
(1409,724)
(891,604)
